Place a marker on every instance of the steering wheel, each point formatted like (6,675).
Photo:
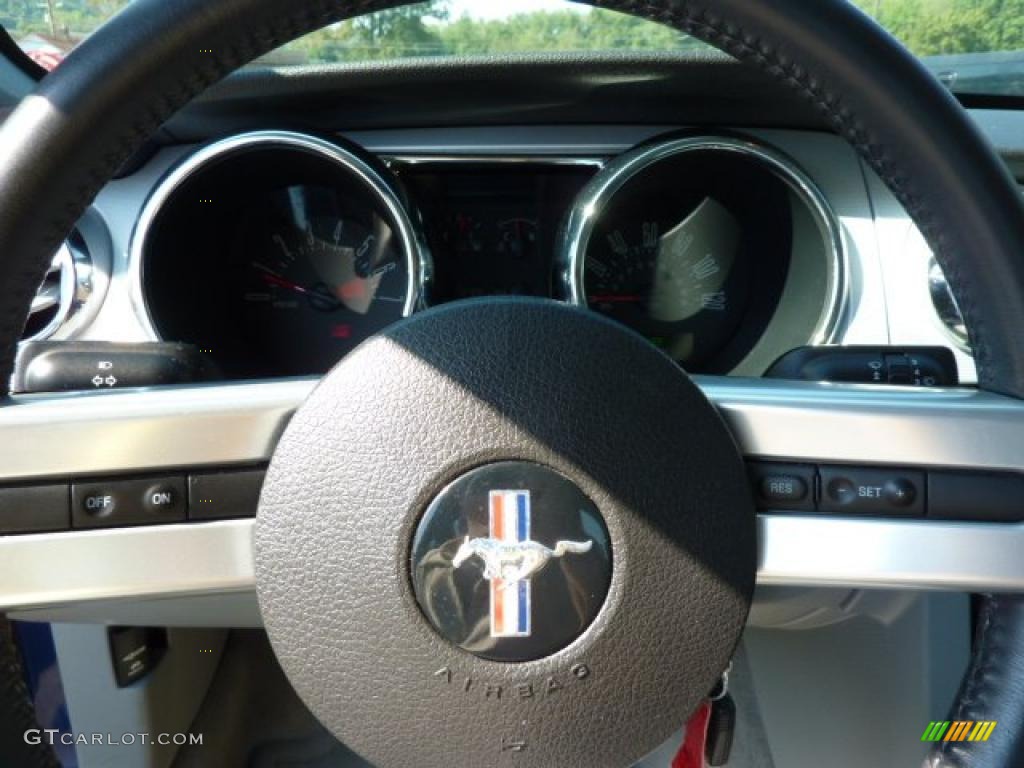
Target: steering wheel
(484,451)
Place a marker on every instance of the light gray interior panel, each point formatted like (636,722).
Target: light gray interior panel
(164,702)
(861,692)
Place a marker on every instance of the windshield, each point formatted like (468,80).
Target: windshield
(974,46)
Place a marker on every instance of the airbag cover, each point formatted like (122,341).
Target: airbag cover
(421,405)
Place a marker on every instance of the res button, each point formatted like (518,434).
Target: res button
(783,486)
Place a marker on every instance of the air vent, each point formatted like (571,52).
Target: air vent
(63,290)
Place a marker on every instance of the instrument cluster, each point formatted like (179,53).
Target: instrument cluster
(278,252)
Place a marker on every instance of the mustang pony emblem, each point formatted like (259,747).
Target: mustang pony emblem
(510,558)
(514,562)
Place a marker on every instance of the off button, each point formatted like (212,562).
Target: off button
(99,503)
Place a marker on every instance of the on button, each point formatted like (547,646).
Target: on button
(163,498)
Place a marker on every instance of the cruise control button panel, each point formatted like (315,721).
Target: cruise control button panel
(863,491)
(146,499)
(139,501)
(208,495)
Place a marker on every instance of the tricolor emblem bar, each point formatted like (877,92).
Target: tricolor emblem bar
(510,600)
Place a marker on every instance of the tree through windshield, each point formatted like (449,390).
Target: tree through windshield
(974,45)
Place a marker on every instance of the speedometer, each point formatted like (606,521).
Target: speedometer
(677,282)
(716,249)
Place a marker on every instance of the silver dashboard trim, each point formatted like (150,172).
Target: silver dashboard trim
(417,255)
(91,253)
(596,196)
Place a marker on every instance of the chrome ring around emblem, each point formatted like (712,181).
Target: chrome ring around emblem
(485,542)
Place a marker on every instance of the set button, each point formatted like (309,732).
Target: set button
(856,490)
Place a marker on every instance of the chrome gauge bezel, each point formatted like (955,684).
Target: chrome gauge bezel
(386,192)
(84,260)
(64,262)
(595,198)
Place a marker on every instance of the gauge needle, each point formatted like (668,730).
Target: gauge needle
(272,278)
(280,281)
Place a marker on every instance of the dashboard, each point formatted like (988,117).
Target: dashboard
(277,252)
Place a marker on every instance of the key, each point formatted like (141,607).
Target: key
(721,729)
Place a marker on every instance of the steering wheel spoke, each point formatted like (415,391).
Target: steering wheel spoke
(57,439)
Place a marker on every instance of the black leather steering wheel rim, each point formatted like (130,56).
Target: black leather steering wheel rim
(66,140)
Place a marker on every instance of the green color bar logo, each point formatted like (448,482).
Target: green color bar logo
(959,730)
